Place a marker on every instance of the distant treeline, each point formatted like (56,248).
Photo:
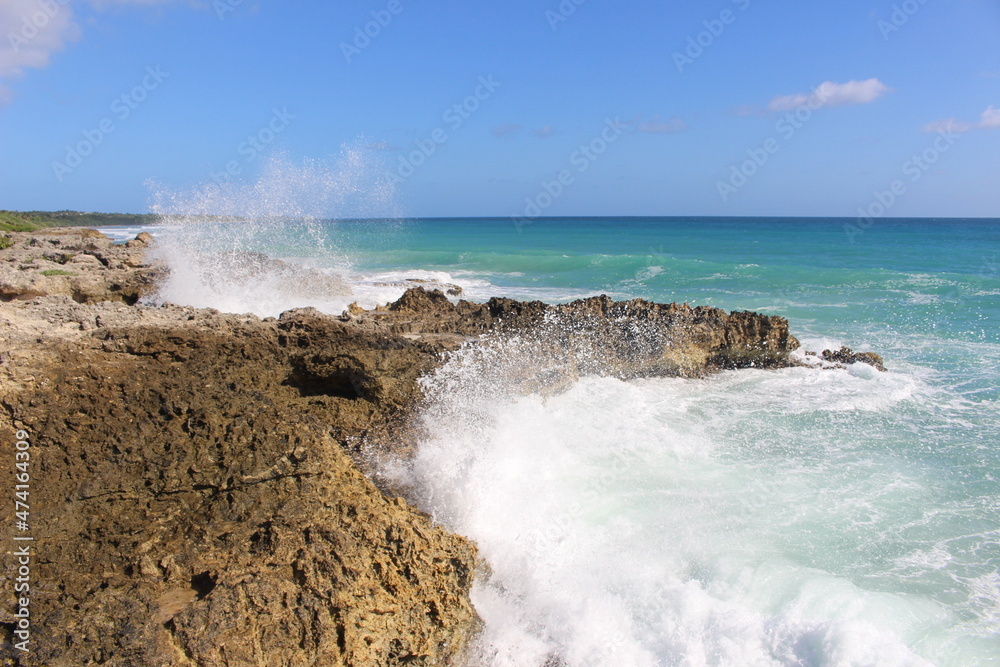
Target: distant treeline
(17,221)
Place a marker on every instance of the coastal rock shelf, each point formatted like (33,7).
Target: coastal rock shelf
(81,263)
(197,490)
(192,501)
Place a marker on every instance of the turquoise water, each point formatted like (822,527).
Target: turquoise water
(793,517)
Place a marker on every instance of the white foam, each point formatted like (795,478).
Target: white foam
(121,233)
(670,522)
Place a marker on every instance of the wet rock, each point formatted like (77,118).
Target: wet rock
(847,356)
(623,338)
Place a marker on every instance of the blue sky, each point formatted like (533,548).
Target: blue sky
(727,107)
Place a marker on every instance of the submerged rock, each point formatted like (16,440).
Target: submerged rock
(847,356)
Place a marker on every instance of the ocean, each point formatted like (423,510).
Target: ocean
(789,517)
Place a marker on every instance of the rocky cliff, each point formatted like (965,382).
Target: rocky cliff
(196,497)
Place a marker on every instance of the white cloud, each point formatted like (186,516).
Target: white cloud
(30,34)
(988,120)
(947,125)
(32,31)
(830,94)
(657,126)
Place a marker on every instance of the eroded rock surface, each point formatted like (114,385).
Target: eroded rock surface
(81,263)
(627,339)
(193,503)
(847,356)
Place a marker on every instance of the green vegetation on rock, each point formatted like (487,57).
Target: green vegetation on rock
(12,221)
(56,272)
(6,242)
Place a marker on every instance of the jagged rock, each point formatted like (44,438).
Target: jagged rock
(846,356)
(623,338)
(449,288)
(81,263)
(193,500)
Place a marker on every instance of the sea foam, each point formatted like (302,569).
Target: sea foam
(682,522)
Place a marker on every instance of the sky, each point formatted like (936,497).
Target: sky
(521,108)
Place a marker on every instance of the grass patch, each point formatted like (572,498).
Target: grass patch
(6,242)
(12,221)
(57,272)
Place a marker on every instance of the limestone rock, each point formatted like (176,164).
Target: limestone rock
(193,500)
(81,263)
(623,338)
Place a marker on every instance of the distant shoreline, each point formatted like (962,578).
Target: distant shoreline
(29,221)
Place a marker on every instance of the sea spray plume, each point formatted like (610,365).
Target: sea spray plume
(532,348)
(544,358)
(214,234)
(468,400)
(599,505)
(597,337)
(496,463)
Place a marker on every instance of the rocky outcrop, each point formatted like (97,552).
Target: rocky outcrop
(81,263)
(193,501)
(196,495)
(626,339)
(847,356)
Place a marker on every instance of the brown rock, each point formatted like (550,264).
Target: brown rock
(193,502)
(598,335)
(847,356)
(80,263)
